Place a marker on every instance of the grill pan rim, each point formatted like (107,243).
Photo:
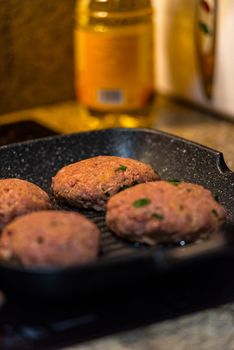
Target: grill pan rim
(125,130)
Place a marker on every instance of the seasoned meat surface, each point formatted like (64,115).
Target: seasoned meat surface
(166,212)
(18,197)
(90,182)
(50,238)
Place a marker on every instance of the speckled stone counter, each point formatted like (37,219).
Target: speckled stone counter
(168,116)
(207,330)
(210,329)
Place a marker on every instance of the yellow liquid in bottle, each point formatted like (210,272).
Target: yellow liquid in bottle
(114,60)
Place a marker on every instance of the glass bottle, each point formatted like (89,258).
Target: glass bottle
(114,61)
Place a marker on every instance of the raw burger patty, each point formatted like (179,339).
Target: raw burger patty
(164,212)
(18,197)
(50,238)
(90,182)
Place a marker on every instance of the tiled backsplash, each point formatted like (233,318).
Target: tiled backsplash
(36,52)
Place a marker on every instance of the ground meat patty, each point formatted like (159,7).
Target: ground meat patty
(18,197)
(90,182)
(50,238)
(164,212)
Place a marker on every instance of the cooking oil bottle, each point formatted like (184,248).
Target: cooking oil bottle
(114,62)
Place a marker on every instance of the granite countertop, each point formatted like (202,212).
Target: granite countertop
(207,330)
(210,329)
(168,116)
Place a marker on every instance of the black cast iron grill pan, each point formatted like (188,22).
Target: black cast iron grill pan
(120,264)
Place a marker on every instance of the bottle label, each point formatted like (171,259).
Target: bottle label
(115,67)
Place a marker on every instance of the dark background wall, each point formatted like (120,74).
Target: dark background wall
(36,52)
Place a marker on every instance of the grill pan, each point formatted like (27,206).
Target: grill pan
(120,263)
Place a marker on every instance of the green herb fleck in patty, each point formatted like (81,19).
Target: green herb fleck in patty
(121,168)
(174,182)
(142,202)
(124,187)
(214,212)
(158,216)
